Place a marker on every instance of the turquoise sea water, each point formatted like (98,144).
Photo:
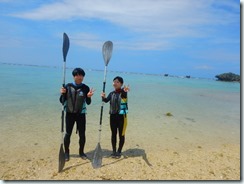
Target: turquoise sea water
(204,110)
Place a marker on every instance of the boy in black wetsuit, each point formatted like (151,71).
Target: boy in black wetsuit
(118,111)
(76,95)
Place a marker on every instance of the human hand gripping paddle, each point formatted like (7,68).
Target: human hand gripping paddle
(61,161)
(107,53)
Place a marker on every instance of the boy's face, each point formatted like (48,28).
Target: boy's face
(117,84)
(78,79)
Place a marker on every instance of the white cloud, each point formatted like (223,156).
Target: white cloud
(93,41)
(87,40)
(172,17)
(218,55)
(204,67)
(157,19)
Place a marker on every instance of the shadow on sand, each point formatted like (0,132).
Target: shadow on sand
(135,152)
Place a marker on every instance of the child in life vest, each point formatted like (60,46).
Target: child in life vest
(118,114)
(75,96)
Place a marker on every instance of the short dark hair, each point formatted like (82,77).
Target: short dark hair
(120,79)
(78,71)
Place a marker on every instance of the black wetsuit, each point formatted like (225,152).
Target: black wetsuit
(78,117)
(117,120)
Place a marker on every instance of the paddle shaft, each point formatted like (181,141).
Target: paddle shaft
(62,122)
(101,114)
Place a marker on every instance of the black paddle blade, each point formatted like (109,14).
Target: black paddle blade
(97,157)
(107,51)
(61,161)
(65,46)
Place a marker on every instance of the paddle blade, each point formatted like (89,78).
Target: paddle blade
(97,157)
(107,51)
(61,160)
(65,46)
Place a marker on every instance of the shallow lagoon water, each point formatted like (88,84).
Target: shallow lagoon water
(205,112)
(200,141)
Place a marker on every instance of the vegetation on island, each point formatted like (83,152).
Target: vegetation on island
(229,77)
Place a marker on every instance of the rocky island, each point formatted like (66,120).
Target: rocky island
(229,77)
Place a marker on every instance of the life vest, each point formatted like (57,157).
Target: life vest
(123,106)
(118,105)
(75,99)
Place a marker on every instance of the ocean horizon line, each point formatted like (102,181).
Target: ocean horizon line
(112,71)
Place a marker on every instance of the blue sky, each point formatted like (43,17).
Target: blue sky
(200,38)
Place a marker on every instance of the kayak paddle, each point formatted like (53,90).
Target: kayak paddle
(61,161)
(107,53)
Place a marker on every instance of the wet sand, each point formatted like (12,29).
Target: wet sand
(168,148)
(197,163)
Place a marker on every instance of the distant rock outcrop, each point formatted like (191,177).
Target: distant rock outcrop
(230,77)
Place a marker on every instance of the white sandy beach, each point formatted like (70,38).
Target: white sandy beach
(196,164)
(141,160)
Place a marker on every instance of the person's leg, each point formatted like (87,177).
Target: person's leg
(81,126)
(113,127)
(69,124)
(121,126)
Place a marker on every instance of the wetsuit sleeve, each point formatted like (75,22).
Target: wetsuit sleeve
(123,94)
(108,98)
(88,100)
(60,98)
(65,96)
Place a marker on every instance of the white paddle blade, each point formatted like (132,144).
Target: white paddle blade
(97,157)
(107,51)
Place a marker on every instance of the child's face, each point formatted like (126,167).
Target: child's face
(78,79)
(117,84)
